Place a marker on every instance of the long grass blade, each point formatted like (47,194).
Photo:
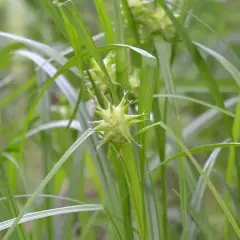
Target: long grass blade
(145,99)
(51,212)
(105,20)
(197,197)
(161,143)
(47,147)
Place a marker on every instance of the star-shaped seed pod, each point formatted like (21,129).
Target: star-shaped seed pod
(116,124)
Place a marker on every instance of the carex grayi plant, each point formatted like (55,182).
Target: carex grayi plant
(100,134)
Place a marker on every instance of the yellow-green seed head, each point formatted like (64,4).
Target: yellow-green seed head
(116,124)
(151,20)
(98,76)
(100,79)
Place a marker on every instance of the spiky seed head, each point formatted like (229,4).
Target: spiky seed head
(151,21)
(116,124)
(98,76)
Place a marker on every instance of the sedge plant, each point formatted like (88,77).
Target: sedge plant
(118,154)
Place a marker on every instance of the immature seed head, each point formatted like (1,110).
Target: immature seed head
(98,76)
(116,124)
(151,20)
(101,80)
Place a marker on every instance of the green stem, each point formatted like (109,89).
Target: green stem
(164,51)
(136,191)
(233,161)
(161,140)
(47,152)
(123,190)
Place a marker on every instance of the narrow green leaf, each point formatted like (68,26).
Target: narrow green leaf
(124,193)
(160,135)
(121,55)
(194,100)
(47,147)
(232,154)
(105,20)
(203,148)
(198,194)
(46,196)
(50,7)
(233,164)
(130,168)
(51,212)
(77,46)
(79,25)
(145,99)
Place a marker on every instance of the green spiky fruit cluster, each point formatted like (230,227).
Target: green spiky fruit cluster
(100,79)
(97,74)
(151,20)
(116,124)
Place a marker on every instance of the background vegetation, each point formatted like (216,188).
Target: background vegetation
(171,171)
